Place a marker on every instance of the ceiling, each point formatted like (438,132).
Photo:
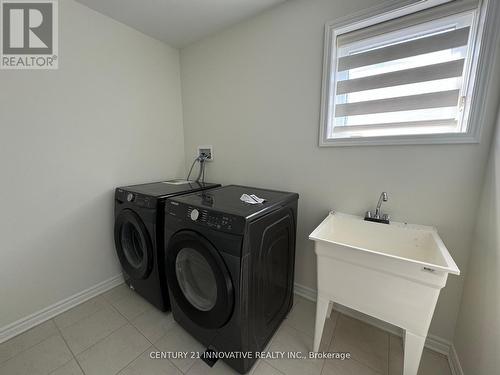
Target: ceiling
(179,22)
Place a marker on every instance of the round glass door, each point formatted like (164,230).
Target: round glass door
(196,279)
(199,280)
(133,245)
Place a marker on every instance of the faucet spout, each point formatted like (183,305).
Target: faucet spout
(377,215)
(383,198)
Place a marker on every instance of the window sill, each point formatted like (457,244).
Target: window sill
(420,139)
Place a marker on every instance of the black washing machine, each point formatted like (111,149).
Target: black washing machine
(230,267)
(139,235)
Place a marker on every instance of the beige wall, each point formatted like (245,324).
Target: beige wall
(111,115)
(477,339)
(253,92)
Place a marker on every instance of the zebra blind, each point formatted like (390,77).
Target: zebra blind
(408,75)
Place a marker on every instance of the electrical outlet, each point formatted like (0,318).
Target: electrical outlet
(208,151)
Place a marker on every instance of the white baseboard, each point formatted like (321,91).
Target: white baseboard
(438,344)
(306,292)
(433,342)
(57,308)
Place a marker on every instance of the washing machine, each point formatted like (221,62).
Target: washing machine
(139,235)
(230,267)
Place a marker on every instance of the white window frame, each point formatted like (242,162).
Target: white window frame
(483,47)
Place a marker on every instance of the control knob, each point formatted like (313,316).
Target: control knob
(195,214)
(130,197)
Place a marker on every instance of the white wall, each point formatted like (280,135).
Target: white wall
(111,115)
(477,339)
(253,92)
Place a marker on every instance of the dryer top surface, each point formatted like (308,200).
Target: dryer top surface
(169,188)
(227,199)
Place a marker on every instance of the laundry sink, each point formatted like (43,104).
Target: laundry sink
(393,272)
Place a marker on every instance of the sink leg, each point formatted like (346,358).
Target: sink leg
(414,345)
(322,304)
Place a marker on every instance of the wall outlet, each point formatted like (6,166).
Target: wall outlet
(208,151)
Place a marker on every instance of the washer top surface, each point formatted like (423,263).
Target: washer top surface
(227,200)
(169,188)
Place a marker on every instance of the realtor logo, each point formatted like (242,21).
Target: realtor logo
(29,34)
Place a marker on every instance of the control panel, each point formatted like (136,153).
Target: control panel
(138,200)
(208,218)
(212,219)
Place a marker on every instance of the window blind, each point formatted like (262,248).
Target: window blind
(408,71)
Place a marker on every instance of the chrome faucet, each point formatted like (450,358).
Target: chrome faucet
(377,215)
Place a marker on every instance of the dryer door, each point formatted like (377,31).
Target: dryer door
(199,279)
(133,245)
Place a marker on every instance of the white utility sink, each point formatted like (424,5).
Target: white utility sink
(393,272)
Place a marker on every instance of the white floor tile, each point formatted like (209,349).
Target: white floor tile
(145,365)
(91,329)
(302,315)
(117,293)
(178,340)
(289,339)
(154,324)
(220,368)
(70,368)
(26,340)
(346,367)
(264,368)
(132,305)
(106,343)
(80,312)
(40,359)
(367,344)
(114,352)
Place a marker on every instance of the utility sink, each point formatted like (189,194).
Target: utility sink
(393,272)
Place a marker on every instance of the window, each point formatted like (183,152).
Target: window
(406,75)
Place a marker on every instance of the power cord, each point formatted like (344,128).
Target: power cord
(202,167)
(191,169)
(201,173)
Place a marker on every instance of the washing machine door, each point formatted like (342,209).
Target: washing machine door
(199,279)
(133,245)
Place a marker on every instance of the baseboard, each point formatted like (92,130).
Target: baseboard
(57,308)
(438,344)
(306,292)
(432,342)
(455,366)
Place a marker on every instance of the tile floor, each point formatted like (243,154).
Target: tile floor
(115,332)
